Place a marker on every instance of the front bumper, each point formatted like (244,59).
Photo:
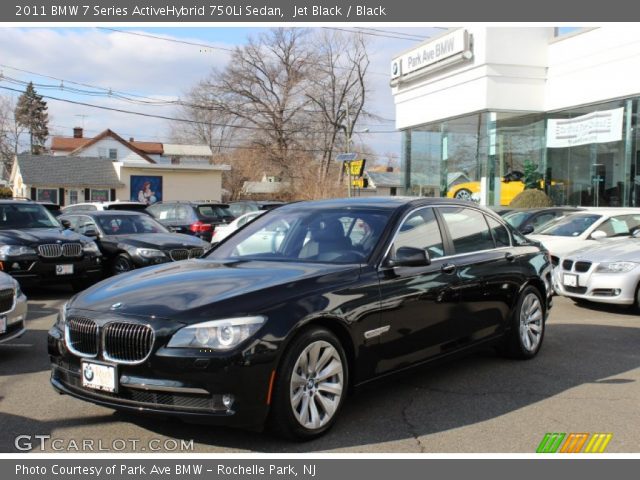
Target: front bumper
(172,382)
(15,320)
(35,270)
(613,288)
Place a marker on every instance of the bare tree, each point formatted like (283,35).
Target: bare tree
(338,89)
(10,131)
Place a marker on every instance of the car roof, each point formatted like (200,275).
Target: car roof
(385,203)
(106,213)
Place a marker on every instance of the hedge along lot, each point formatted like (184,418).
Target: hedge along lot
(586,379)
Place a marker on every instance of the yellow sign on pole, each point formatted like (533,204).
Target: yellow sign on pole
(356,167)
(360,183)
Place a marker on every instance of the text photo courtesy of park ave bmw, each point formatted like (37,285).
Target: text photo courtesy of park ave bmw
(291,239)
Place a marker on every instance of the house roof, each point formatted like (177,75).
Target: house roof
(150,148)
(118,138)
(66,171)
(67,144)
(172,149)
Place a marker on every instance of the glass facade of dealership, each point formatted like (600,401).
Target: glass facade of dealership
(603,171)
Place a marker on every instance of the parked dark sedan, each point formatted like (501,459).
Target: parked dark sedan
(130,240)
(34,249)
(351,291)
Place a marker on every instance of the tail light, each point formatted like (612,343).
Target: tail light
(199,227)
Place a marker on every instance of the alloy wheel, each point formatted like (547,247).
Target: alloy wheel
(531,322)
(316,385)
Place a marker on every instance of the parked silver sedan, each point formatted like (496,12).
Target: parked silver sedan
(608,273)
(13,308)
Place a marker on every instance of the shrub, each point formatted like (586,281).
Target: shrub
(6,192)
(531,199)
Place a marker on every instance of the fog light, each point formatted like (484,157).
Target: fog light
(617,291)
(227,400)
(15,266)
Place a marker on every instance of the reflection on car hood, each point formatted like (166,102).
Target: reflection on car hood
(6,281)
(627,250)
(178,289)
(561,246)
(160,240)
(33,236)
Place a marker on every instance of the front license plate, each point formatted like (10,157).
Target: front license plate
(570,280)
(3,324)
(64,269)
(99,376)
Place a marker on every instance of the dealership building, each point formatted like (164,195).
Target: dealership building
(558,105)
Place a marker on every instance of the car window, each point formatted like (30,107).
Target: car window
(499,233)
(341,235)
(129,224)
(238,209)
(183,213)
(620,226)
(543,218)
(572,226)
(84,224)
(421,230)
(26,215)
(162,212)
(468,229)
(214,211)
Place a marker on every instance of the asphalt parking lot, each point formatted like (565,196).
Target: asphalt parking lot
(586,379)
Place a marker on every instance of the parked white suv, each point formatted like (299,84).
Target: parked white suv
(98,206)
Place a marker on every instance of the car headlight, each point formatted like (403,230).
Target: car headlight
(91,247)
(16,250)
(217,334)
(62,317)
(616,267)
(149,253)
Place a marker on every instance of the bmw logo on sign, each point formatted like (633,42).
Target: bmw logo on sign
(395,68)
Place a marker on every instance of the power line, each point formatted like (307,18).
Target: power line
(176,119)
(214,47)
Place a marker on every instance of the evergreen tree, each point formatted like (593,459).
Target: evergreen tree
(31,113)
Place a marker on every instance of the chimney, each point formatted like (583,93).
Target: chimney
(77,132)
(130,139)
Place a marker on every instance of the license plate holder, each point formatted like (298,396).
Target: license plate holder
(99,376)
(570,280)
(66,269)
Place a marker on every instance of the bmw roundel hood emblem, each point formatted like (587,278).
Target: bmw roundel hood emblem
(116,306)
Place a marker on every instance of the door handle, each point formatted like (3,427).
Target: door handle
(448,268)
(509,257)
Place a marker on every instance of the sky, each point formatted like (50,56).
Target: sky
(141,66)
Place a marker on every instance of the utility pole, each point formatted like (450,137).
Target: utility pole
(348,163)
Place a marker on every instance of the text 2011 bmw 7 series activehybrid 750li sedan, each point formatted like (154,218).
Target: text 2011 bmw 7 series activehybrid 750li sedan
(340,293)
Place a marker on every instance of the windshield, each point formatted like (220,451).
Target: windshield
(28,215)
(516,219)
(329,236)
(129,224)
(572,226)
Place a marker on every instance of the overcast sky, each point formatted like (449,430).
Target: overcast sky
(160,69)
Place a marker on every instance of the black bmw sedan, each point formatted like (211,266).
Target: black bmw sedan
(278,322)
(131,240)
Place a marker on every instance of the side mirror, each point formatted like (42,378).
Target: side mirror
(410,257)
(66,224)
(527,229)
(91,232)
(598,234)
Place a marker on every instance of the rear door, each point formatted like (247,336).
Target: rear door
(488,276)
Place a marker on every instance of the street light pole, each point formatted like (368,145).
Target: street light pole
(348,162)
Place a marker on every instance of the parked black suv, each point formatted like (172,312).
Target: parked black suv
(34,248)
(131,240)
(192,218)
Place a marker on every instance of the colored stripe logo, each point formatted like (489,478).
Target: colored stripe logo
(574,443)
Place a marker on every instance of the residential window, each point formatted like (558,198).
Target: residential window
(73,197)
(113,154)
(99,195)
(47,195)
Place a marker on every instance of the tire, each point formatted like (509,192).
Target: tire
(526,333)
(463,194)
(305,406)
(122,264)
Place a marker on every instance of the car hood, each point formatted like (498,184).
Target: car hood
(160,240)
(186,290)
(628,251)
(32,236)
(561,246)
